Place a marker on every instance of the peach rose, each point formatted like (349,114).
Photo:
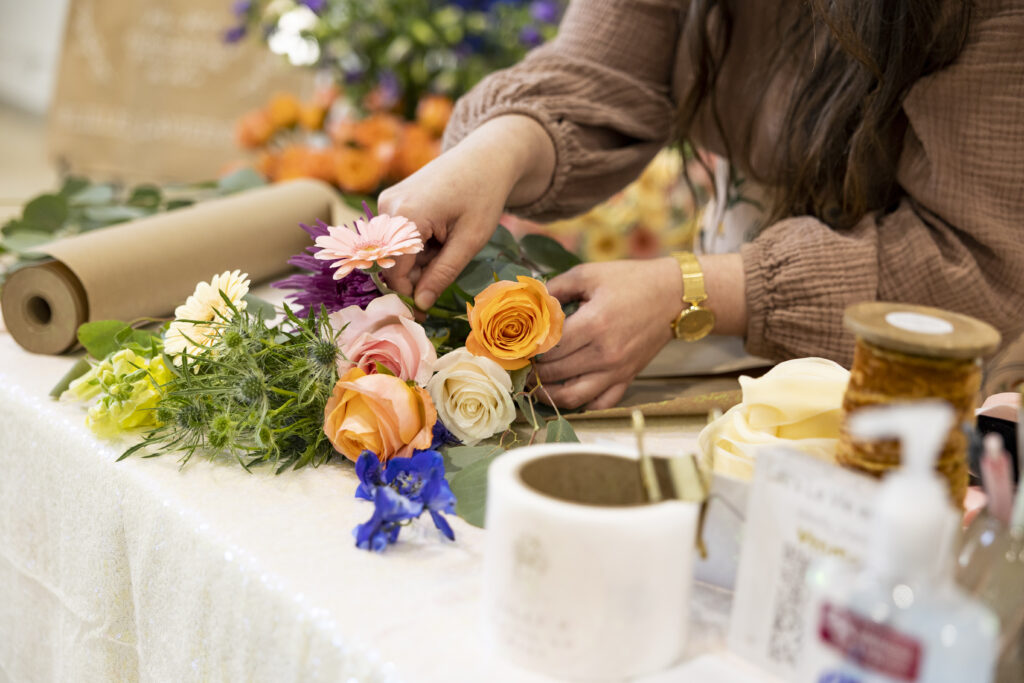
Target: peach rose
(384,333)
(378,413)
(512,322)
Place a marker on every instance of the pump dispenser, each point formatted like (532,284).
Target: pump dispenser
(901,617)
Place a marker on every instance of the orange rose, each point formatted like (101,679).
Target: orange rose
(254,130)
(283,110)
(357,170)
(299,161)
(378,413)
(433,113)
(514,321)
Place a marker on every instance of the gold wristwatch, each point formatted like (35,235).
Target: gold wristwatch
(694,322)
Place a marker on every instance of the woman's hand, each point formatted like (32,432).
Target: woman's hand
(457,199)
(624,319)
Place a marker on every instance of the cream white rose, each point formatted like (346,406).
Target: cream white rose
(473,396)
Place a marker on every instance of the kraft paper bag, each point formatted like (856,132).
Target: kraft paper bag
(147,90)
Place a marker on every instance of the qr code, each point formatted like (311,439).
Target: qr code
(787,632)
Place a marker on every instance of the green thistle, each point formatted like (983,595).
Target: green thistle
(258,393)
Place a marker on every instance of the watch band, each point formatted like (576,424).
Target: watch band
(693,277)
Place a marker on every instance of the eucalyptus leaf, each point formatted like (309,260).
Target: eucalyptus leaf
(146,196)
(110,215)
(46,212)
(242,179)
(505,241)
(73,185)
(260,307)
(528,409)
(470,488)
(547,252)
(93,195)
(24,241)
(476,277)
(100,338)
(513,271)
(560,431)
(173,204)
(76,371)
(519,378)
(464,456)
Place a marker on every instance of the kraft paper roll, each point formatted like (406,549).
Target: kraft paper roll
(146,268)
(580,581)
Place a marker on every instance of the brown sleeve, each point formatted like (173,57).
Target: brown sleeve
(601,91)
(956,240)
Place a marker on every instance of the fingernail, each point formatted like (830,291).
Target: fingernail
(425,299)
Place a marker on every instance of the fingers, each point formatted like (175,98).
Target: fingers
(578,391)
(464,242)
(610,398)
(580,362)
(399,276)
(569,286)
(577,332)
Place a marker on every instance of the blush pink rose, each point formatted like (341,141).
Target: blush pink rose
(384,333)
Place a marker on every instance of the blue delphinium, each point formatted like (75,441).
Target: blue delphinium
(402,491)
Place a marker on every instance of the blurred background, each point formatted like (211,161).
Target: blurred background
(115,109)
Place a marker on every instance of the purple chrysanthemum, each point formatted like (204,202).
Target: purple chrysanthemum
(318,286)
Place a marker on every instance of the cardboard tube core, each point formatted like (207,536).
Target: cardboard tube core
(43,306)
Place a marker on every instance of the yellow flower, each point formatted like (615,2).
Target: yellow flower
(604,244)
(128,387)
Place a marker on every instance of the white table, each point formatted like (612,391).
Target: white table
(139,570)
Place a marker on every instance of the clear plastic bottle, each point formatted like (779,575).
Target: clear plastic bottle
(901,617)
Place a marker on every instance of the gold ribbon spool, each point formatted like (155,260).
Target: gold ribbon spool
(907,353)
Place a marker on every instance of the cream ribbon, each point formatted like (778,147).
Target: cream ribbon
(797,403)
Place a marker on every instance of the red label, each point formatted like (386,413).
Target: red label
(871,646)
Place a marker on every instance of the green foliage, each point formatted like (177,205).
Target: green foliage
(470,488)
(258,394)
(421,46)
(560,431)
(82,206)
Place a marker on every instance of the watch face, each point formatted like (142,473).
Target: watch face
(694,324)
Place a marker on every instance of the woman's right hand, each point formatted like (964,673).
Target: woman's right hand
(457,200)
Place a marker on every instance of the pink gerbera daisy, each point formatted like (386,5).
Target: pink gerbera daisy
(371,242)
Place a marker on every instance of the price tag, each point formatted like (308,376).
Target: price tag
(800,510)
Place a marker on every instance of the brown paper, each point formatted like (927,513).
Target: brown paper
(671,398)
(147,90)
(146,268)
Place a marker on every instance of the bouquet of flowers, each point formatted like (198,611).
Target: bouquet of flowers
(389,54)
(348,371)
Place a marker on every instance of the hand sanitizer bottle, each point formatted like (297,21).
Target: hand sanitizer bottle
(901,617)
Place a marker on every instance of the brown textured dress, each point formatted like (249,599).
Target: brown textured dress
(606,91)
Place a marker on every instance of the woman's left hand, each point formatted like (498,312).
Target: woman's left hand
(624,319)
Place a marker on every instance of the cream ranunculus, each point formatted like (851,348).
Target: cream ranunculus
(473,396)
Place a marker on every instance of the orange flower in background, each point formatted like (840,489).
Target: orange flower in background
(342,131)
(300,161)
(283,110)
(254,130)
(357,170)
(378,413)
(416,149)
(433,113)
(511,322)
(377,129)
(311,116)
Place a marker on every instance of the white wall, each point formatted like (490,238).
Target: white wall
(30,37)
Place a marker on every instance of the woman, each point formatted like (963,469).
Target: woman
(887,136)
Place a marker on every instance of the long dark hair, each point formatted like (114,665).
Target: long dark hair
(857,59)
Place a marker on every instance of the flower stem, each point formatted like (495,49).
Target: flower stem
(407,300)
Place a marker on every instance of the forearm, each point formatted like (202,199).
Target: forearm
(521,150)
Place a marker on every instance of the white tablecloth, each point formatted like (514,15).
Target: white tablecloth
(139,570)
